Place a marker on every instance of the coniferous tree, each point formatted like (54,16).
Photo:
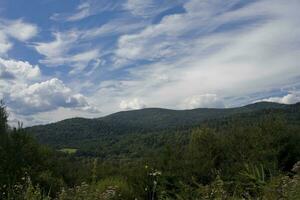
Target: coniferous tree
(3,118)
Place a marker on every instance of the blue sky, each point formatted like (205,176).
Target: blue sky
(69,58)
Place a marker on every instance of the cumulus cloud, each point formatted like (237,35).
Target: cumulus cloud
(15,76)
(132,104)
(203,101)
(291,98)
(25,93)
(15,29)
(12,69)
(46,96)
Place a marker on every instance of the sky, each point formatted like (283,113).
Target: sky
(89,58)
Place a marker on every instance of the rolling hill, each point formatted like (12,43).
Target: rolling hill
(120,130)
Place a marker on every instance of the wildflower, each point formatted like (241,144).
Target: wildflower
(296,167)
(156,173)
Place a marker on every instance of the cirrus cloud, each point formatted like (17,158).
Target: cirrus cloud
(234,50)
(60,51)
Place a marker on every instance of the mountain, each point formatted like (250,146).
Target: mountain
(157,118)
(99,134)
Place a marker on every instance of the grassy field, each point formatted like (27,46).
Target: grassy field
(69,150)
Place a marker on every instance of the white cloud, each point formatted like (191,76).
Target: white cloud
(233,52)
(137,7)
(85,9)
(172,36)
(229,48)
(59,46)
(60,51)
(114,27)
(291,98)
(15,29)
(209,8)
(20,30)
(19,69)
(25,93)
(46,96)
(5,43)
(203,101)
(15,76)
(132,104)
(85,56)
(149,8)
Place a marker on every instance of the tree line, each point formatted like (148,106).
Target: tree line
(232,159)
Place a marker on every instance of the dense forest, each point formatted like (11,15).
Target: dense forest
(251,152)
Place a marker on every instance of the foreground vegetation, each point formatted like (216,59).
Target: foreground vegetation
(225,159)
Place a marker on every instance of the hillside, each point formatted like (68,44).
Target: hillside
(128,132)
(233,153)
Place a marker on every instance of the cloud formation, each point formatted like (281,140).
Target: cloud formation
(85,9)
(46,96)
(214,47)
(14,69)
(25,94)
(173,54)
(15,29)
(132,104)
(149,8)
(203,101)
(291,98)
(60,51)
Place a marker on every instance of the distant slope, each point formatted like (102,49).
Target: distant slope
(88,133)
(157,118)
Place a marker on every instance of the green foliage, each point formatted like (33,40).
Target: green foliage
(284,186)
(206,146)
(109,188)
(241,153)
(68,150)
(3,118)
(139,132)
(252,180)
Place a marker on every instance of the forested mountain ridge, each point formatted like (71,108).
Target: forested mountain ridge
(116,132)
(247,155)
